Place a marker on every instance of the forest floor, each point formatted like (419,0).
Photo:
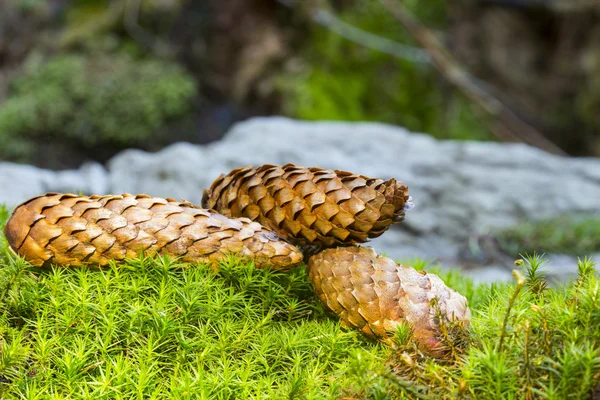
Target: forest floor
(154,328)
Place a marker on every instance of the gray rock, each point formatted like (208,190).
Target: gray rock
(91,178)
(561,267)
(21,182)
(180,171)
(461,189)
(490,273)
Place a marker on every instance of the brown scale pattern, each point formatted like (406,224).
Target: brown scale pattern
(310,206)
(374,295)
(67,229)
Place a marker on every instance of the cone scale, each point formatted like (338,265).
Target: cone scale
(71,230)
(310,206)
(374,295)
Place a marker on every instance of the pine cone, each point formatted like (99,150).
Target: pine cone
(373,294)
(310,206)
(74,230)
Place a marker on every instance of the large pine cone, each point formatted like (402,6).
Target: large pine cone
(310,206)
(373,294)
(75,230)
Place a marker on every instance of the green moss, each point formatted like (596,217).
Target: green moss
(565,234)
(86,21)
(587,105)
(31,6)
(92,100)
(346,81)
(156,329)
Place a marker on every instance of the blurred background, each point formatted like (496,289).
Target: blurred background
(83,80)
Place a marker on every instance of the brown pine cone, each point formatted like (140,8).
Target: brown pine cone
(74,230)
(374,295)
(310,206)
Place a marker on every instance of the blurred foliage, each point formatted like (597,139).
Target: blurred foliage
(92,100)
(39,6)
(588,104)
(278,58)
(565,234)
(346,81)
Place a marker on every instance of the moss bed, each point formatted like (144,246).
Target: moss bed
(154,328)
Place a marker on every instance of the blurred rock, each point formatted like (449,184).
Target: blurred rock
(560,267)
(490,273)
(90,178)
(461,189)
(20,182)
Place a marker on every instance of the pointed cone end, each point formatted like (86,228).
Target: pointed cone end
(397,194)
(409,205)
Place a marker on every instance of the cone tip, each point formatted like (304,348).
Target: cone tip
(409,205)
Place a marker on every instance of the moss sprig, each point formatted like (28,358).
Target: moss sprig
(156,328)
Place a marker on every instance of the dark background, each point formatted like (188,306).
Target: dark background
(83,79)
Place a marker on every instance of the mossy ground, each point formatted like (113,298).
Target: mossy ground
(153,328)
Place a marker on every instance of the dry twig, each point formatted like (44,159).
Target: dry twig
(509,125)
